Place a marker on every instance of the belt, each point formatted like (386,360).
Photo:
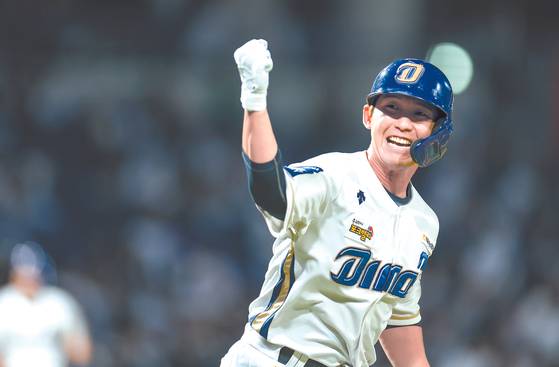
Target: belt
(286,353)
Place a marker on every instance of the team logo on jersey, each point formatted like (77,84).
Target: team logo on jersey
(409,73)
(302,170)
(360,197)
(359,268)
(363,233)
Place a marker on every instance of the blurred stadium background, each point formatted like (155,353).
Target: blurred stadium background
(120,153)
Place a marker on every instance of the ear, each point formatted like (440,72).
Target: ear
(367,115)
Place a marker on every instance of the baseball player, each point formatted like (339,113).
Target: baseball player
(352,233)
(40,325)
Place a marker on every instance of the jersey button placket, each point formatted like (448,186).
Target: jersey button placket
(396,238)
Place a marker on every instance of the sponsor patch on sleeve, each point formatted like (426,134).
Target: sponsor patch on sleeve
(302,170)
(429,246)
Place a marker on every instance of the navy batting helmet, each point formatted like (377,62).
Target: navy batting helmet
(31,259)
(424,81)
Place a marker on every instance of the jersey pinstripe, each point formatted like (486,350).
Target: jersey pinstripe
(347,261)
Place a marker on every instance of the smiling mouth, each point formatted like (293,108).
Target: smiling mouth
(399,141)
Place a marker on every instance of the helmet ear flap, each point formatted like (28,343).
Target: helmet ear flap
(427,151)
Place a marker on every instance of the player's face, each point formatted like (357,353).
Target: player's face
(396,121)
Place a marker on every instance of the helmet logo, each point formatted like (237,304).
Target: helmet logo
(409,73)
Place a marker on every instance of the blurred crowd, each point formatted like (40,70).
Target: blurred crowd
(120,153)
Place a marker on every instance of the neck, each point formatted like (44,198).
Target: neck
(395,180)
(28,287)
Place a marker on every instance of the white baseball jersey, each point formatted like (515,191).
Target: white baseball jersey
(31,330)
(347,261)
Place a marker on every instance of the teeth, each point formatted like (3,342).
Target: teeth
(399,141)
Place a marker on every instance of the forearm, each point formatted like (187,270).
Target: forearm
(79,349)
(258,139)
(404,346)
(254,62)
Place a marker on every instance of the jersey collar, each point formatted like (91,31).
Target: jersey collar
(372,180)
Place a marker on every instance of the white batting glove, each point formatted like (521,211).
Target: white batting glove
(254,62)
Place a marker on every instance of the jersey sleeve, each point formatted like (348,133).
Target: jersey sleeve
(74,323)
(406,312)
(309,190)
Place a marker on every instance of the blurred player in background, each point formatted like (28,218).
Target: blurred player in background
(40,325)
(353,235)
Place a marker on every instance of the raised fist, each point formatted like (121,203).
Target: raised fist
(254,62)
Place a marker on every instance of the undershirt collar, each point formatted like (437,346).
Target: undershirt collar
(398,200)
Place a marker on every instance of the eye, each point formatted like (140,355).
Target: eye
(391,106)
(423,115)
